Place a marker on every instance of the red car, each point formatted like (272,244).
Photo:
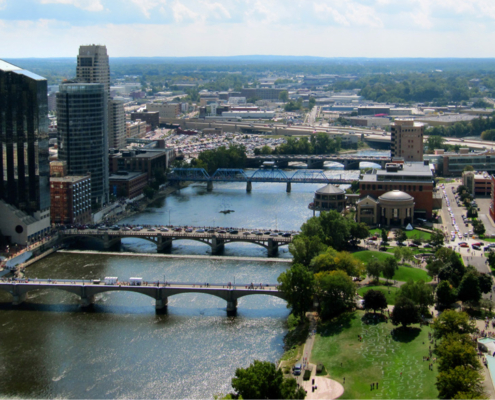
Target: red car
(373,238)
(463,245)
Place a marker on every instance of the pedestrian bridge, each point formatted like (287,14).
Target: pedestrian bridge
(111,239)
(86,290)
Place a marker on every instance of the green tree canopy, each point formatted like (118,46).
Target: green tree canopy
(446,294)
(405,312)
(374,268)
(304,248)
(456,350)
(332,260)
(297,283)
(450,322)
(460,382)
(420,293)
(263,380)
(469,288)
(336,292)
(374,300)
(389,267)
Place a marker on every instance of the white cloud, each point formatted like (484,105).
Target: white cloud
(324,11)
(147,5)
(3,3)
(88,5)
(182,13)
(363,15)
(217,10)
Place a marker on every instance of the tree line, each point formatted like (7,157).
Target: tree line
(321,143)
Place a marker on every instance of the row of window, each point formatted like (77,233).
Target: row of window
(407,188)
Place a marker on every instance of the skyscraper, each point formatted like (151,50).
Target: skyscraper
(93,67)
(82,134)
(24,165)
(407,139)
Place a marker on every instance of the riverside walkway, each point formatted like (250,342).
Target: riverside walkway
(163,237)
(86,290)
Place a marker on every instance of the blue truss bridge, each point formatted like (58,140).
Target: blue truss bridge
(261,175)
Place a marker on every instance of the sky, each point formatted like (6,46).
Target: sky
(180,28)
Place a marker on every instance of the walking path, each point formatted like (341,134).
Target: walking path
(326,388)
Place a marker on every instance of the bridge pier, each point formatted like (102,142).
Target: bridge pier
(110,243)
(315,164)
(249,186)
(86,300)
(272,248)
(217,245)
(209,186)
(231,305)
(289,187)
(163,245)
(18,299)
(161,304)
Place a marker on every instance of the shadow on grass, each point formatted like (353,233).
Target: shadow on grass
(373,318)
(297,336)
(336,325)
(405,335)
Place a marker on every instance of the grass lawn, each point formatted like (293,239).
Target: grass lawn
(415,250)
(366,255)
(384,289)
(377,232)
(405,273)
(420,234)
(378,358)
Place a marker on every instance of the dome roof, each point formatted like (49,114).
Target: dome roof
(396,195)
(330,189)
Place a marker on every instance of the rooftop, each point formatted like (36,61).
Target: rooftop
(411,171)
(126,176)
(330,189)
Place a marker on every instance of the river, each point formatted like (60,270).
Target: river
(50,348)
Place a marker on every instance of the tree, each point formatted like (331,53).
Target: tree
(435,142)
(437,238)
(374,300)
(297,283)
(491,259)
(468,168)
(419,293)
(478,227)
(384,234)
(469,288)
(456,350)
(265,150)
(400,235)
(284,96)
(405,312)
(149,192)
(450,322)
(332,260)
(485,283)
(446,294)
(359,230)
(263,380)
(304,249)
(374,268)
(460,382)
(488,134)
(312,102)
(336,292)
(389,267)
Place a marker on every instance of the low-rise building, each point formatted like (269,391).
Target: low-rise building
(453,164)
(142,160)
(136,129)
(328,198)
(166,110)
(70,199)
(127,184)
(413,178)
(150,117)
(478,183)
(391,208)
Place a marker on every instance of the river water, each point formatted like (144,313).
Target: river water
(50,348)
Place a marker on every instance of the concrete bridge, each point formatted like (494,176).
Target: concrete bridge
(317,161)
(111,239)
(86,290)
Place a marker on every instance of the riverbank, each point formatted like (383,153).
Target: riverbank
(181,256)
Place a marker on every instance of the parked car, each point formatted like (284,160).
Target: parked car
(463,244)
(475,247)
(413,245)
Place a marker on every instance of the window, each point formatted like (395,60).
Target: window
(396,213)
(420,188)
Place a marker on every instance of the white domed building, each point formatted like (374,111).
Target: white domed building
(391,208)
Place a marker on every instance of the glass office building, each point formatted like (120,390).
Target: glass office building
(24,166)
(83,134)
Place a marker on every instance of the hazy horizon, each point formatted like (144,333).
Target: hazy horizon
(197,28)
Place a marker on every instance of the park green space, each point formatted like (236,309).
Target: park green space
(403,273)
(419,234)
(378,358)
(388,291)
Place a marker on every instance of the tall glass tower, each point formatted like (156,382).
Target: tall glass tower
(24,164)
(82,134)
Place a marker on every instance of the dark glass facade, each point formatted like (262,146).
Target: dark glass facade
(24,164)
(82,134)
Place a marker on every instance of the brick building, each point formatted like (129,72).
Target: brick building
(143,160)
(407,139)
(127,184)
(415,179)
(150,117)
(70,199)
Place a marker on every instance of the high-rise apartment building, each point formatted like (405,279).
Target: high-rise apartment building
(93,67)
(83,134)
(24,165)
(407,139)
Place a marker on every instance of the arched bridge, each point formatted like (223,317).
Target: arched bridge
(317,161)
(159,291)
(274,175)
(163,239)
